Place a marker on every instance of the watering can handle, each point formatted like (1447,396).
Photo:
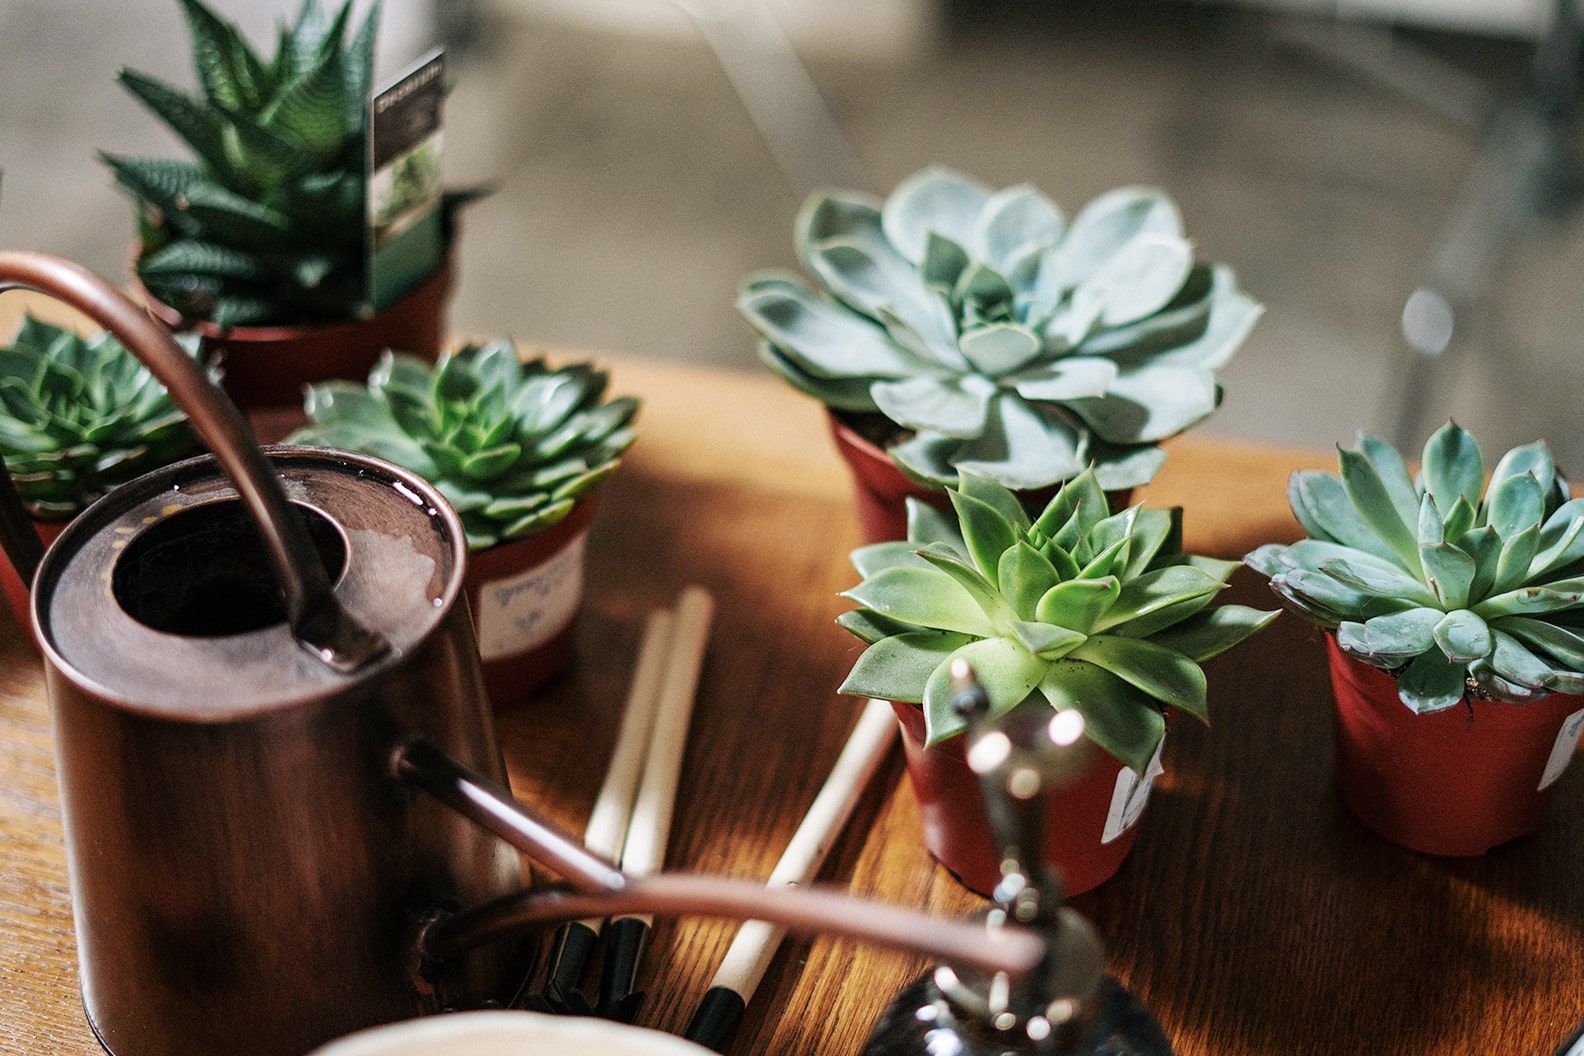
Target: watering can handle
(315,614)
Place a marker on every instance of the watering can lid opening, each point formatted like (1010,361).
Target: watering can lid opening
(159,598)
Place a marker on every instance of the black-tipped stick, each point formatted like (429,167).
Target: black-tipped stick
(756,943)
(649,828)
(575,943)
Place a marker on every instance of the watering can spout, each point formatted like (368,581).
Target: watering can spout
(318,620)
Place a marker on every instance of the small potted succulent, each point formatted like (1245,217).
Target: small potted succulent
(1077,607)
(259,243)
(960,329)
(1455,613)
(78,416)
(519,449)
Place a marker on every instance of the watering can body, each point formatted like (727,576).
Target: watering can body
(285,809)
(246,875)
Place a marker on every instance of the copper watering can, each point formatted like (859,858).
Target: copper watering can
(285,808)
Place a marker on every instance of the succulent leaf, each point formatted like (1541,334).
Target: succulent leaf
(1493,591)
(1008,343)
(512,447)
(80,415)
(1087,608)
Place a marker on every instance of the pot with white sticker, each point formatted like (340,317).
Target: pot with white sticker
(1457,640)
(520,449)
(1096,619)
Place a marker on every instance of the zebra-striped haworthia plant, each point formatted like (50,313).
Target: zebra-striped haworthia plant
(1004,340)
(266,224)
(1459,587)
(1081,607)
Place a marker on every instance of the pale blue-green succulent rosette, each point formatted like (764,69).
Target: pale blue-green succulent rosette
(1458,587)
(1002,338)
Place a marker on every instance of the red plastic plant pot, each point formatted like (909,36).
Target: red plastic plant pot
(17,593)
(525,596)
(267,366)
(1107,801)
(881,490)
(1453,783)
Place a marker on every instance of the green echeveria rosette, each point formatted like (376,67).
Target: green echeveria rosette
(266,224)
(1011,343)
(512,445)
(1081,607)
(1456,586)
(81,415)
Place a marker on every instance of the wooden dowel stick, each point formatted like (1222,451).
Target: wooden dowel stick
(756,942)
(607,825)
(649,829)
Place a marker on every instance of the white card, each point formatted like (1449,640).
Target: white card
(1562,751)
(525,611)
(1131,796)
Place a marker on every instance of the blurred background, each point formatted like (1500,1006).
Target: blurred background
(647,153)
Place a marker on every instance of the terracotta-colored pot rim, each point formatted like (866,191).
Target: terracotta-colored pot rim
(276,333)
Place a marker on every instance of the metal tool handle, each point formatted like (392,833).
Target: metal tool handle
(315,614)
(603,890)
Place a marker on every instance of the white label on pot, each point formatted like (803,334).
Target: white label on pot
(525,611)
(1562,751)
(1131,796)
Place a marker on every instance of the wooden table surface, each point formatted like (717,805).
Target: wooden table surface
(1254,917)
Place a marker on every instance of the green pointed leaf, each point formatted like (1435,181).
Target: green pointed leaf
(1079,603)
(1431,683)
(977,586)
(1452,466)
(1534,459)
(1527,601)
(1024,446)
(870,627)
(1373,502)
(1214,631)
(926,525)
(1007,672)
(1513,661)
(1119,718)
(926,597)
(1517,553)
(1463,637)
(935,199)
(825,340)
(898,668)
(1014,221)
(1023,576)
(1450,573)
(1459,520)
(1164,674)
(1393,639)
(1044,640)
(1378,577)
(1159,599)
(949,406)
(1565,644)
(1516,503)
(1394,477)
(1000,348)
(986,532)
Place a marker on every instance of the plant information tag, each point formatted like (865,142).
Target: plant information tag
(1131,796)
(406,240)
(1562,751)
(525,611)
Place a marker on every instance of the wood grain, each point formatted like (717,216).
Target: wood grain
(1254,917)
